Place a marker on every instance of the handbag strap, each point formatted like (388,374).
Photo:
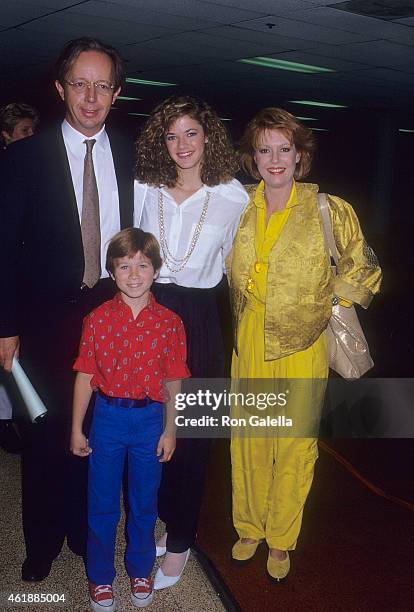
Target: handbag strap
(330,244)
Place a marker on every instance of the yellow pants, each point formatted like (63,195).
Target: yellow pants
(271,481)
(272,476)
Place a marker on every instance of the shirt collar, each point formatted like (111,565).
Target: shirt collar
(259,200)
(230,191)
(123,308)
(74,140)
(197,193)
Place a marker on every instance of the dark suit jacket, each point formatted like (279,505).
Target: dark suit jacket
(40,239)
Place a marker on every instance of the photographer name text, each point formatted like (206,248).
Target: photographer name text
(227,421)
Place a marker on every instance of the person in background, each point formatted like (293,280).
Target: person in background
(282,290)
(186,195)
(64,193)
(17,121)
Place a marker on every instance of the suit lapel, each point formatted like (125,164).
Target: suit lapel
(61,183)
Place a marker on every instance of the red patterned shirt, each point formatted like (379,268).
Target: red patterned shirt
(132,357)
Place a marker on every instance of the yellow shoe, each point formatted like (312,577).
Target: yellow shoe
(278,570)
(242,553)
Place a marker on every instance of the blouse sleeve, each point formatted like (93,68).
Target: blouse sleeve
(358,272)
(228,243)
(86,361)
(228,254)
(231,230)
(140,192)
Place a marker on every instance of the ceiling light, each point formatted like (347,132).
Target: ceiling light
(314,103)
(139,114)
(145,82)
(319,130)
(128,98)
(405,130)
(306,118)
(225,119)
(270,62)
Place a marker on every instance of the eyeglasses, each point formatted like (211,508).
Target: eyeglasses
(101,87)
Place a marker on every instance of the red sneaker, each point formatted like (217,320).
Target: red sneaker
(142,592)
(102,597)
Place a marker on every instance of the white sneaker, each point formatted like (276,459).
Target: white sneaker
(161,581)
(142,592)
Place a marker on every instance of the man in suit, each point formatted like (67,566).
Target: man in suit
(64,193)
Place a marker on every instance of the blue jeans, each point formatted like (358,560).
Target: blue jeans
(117,433)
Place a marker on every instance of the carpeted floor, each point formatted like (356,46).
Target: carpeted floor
(355,550)
(193,593)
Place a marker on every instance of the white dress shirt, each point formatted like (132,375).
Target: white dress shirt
(105,179)
(206,265)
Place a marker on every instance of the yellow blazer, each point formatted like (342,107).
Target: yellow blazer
(300,282)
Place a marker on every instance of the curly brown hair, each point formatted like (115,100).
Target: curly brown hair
(277,119)
(153,162)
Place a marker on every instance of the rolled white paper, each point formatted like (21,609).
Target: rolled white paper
(35,406)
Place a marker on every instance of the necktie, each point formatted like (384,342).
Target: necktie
(90,224)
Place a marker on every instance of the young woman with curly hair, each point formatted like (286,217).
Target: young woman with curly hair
(185,195)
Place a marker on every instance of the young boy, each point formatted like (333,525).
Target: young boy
(131,349)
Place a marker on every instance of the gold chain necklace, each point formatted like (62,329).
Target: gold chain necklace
(170,260)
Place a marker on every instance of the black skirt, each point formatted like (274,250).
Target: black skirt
(206,317)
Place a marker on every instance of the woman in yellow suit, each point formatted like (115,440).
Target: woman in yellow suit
(282,290)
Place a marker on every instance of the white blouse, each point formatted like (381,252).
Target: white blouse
(206,264)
